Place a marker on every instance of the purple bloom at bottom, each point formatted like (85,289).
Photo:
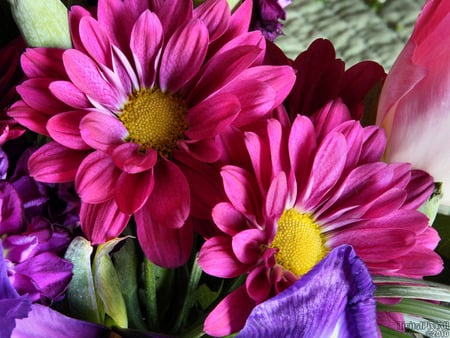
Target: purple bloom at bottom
(334,299)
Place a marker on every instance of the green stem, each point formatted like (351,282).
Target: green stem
(194,278)
(151,304)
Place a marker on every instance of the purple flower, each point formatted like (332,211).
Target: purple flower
(12,306)
(334,299)
(266,15)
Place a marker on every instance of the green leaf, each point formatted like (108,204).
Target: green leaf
(125,263)
(418,308)
(407,291)
(206,296)
(81,296)
(431,206)
(107,283)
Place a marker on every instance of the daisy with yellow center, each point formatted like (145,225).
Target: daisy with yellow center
(300,191)
(137,94)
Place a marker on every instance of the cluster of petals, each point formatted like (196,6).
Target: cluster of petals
(207,57)
(327,166)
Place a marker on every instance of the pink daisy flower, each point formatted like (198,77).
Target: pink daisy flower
(147,83)
(299,191)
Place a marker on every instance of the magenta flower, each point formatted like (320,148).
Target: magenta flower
(140,91)
(334,299)
(299,191)
(414,106)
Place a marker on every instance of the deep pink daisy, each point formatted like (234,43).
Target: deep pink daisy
(299,191)
(147,82)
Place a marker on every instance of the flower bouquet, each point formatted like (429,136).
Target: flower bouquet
(167,171)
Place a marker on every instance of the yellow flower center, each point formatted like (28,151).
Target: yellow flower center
(299,242)
(154,120)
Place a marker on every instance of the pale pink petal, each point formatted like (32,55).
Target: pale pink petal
(29,117)
(228,219)
(85,74)
(64,128)
(35,93)
(132,190)
(211,116)
(54,163)
(130,158)
(145,43)
(43,63)
(225,319)
(102,222)
(102,131)
(216,258)
(216,15)
(183,56)
(96,178)
(95,40)
(170,200)
(167,11)
(164,246)
(248,245)
(66,92)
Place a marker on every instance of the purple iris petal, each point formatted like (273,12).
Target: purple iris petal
(12,306)
(335,298)
(43,322)
(10,209)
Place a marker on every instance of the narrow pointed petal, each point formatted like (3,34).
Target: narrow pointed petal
(55,163)
(102,222)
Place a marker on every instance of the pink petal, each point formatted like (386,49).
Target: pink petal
(132,191)
(202,150)
(118,17)
(164,246)
(102,222)
(84,73)
(183,56)
(66,92)
(373,145)
(329,162)
(216,258)
(169,202)
(168,10)
(95,40)
(145,43)
(240,20)
(228,219)
(241,190)
(216,15)
(333,114)
(259,284)
(276,197)
(225,319)
(54,163)
(419,263)
(131,159)
(231,63)
(64,128)
(419,189)
(247,245)
(102,131)
(212,115)
(29,117)
(76,13)
(96,178)
(43,63)
(35,93)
